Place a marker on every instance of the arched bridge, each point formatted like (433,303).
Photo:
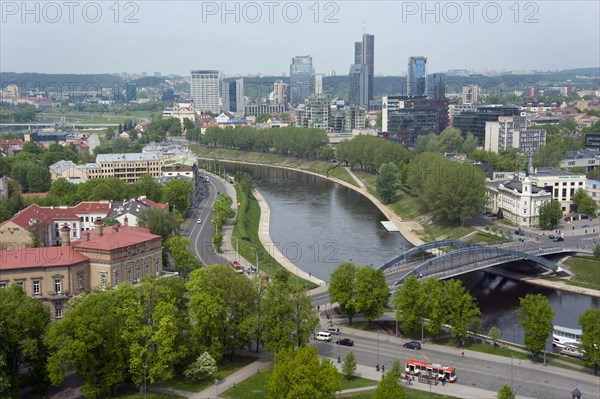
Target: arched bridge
(465,257)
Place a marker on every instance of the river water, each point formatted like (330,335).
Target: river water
(317,224)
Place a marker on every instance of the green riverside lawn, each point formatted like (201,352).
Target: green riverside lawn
(585,271)
(319,167)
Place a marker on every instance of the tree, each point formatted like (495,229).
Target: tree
(550,214)
(451,140)
(389,388)
(590,337)
(470,144)
(288,316)
(221,303)
(349,365)
(326,152)
(461,308)
(159,222)
(506,393)
(535,315)
(23,321)
(299,374)
(204,366)
(434,305)
(494,334)
(372,292)
(342,289)
(387,181)
(178,194)
(597,251)
(408,304)
(585,203)
(90,340)
(185,261)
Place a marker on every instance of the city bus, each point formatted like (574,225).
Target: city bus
(418,367)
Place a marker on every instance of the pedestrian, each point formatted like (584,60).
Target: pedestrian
(462,353)
(383,369)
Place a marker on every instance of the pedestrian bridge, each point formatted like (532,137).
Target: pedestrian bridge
(464,257)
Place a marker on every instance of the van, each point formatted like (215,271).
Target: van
(333,330)
(323,336)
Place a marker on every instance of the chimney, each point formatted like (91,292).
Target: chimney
(126,221)
(65,236)
(116,228)
(86,236)
(98,224)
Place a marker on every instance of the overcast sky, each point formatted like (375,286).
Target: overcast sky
(177,36)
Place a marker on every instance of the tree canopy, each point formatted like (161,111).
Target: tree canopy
(535,315)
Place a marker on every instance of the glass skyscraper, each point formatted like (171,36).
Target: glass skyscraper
(435,87)
(301,78)
(415,79)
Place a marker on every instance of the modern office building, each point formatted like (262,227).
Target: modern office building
(435,86)
(415,79)
(512,132)
(358,85)
(204,89)
(586,160)
(405,118)
(368,59)
(470,94)
(301,79)
(358,52)
(562,185)
(259,109)
(233,96)
(474,121)
(129,167)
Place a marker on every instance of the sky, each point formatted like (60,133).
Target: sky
(247,38)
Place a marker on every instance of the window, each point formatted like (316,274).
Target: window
(3,284)
(116,278)
(37,287)
(57,285)
(21,284)
(138,273)
(147,271)
(102,280)
(58,310)
(80,281)
(129,274)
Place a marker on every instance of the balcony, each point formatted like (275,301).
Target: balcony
(58,295)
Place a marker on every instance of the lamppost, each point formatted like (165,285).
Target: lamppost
(378,347)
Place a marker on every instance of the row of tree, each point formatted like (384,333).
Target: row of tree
(295,141)
(370,152)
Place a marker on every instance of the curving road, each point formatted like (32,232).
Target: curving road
(200,234)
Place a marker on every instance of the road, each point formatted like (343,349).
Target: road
(200,234)
(476,369)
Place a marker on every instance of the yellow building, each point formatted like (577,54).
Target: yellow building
(55,274)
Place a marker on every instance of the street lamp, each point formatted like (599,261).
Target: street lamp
(378,346)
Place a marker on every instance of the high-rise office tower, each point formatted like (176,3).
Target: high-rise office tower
(415,79)
(280,92)
(362,72)
(358,48)
(435,87)
(233,95)
(359,83)
(470,94)
(368,59)
(204,89)
(301,78)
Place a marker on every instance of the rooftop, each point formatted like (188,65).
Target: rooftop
(39,257)
(112,239)
(140,156)
(553,172)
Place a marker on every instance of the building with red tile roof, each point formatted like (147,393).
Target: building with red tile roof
(102,259)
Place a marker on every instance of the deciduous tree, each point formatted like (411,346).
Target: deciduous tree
(387,181)
(505,393)
(408,304)
(299,374)
(372,292)
(342,289)
(535,315)
(590,337)
(349,365)
(550,214)
(389,388)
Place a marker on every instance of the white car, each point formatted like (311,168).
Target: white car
(199,220)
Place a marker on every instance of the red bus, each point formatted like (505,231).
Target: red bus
(417,367)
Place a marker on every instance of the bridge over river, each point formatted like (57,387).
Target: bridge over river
(462,257)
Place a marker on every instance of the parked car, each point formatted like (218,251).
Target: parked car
(345,342)
(557,239)
(551,236)
(585,225)
(334,330)
(413,345)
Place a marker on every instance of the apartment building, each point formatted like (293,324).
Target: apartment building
(129,167)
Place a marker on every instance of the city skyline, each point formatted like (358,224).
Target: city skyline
(443,34)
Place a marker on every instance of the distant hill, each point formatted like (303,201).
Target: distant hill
(31,80)
(582,71)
